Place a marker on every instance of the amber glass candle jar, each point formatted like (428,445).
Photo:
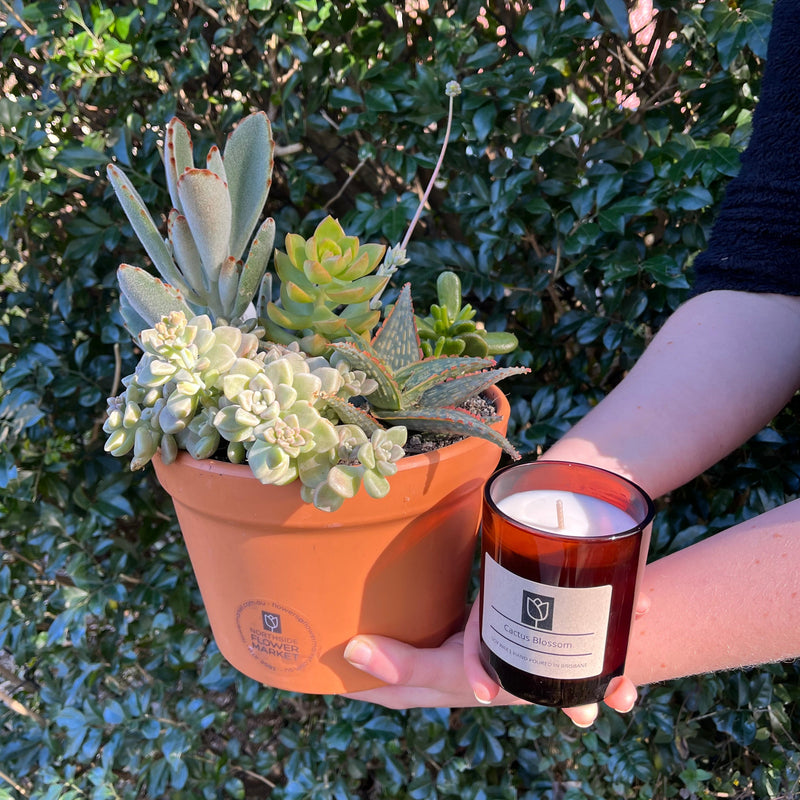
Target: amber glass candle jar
(563,547)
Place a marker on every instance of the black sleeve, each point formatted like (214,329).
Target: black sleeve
(755,240)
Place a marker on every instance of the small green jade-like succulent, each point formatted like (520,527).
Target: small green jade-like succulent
(197,385)
(326,288)
(422,394)
(450,328)
(215,212)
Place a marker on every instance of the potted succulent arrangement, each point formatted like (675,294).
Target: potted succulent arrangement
(279,421)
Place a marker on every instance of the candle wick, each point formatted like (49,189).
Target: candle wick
(560,514)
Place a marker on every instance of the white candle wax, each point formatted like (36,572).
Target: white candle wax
(582,515)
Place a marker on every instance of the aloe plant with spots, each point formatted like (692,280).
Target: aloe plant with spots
(419,392)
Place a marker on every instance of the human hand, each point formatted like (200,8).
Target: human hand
(417,678)
(452,676)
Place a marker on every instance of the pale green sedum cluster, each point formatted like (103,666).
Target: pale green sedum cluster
(176,386)
(197,385)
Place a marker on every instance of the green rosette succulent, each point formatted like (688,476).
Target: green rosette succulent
(326,290)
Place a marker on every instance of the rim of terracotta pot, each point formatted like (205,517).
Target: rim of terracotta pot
(413,473)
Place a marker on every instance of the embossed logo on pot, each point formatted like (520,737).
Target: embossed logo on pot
(277,636)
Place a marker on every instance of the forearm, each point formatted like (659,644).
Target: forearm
(729,601)
(719,370)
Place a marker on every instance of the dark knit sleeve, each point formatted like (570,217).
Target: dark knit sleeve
(755,240)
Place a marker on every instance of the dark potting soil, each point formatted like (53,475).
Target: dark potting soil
(426,442)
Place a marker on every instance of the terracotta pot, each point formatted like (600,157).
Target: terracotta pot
(286,585)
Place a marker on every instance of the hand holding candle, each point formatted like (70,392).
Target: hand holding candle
(562,550)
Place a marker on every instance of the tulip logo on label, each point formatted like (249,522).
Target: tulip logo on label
(278,637)
(537,611)
(272,622)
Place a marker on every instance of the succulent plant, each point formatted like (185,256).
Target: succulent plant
(450,328)
(358,460)
(326,288)
(320,400)
(215,212)
(175,385)
(423,394)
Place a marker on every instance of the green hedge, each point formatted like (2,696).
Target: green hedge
(582,176)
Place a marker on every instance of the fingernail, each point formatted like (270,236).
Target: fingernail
(585,724)
(482,696)
(358,653)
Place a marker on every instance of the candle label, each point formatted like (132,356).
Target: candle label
(550,631)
